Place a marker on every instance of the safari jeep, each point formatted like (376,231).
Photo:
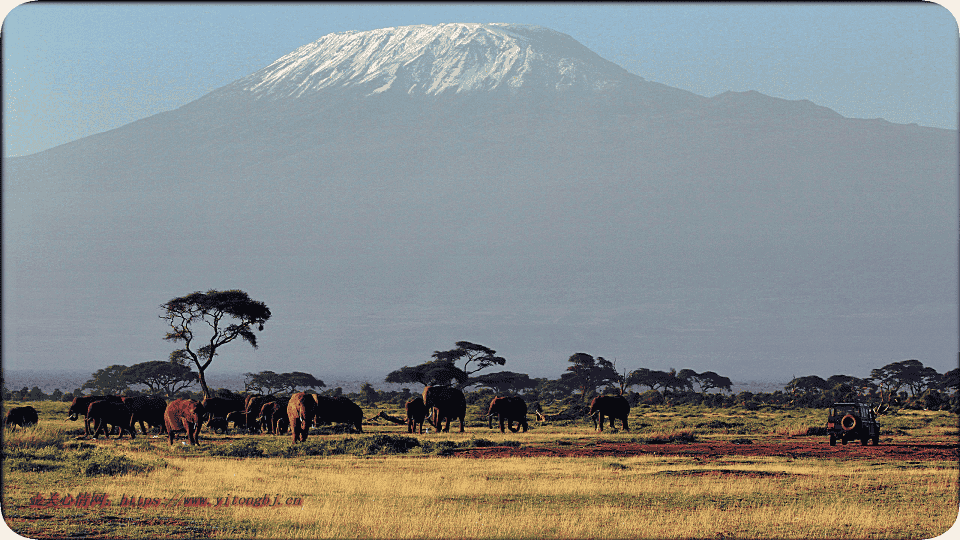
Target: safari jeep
(850,421)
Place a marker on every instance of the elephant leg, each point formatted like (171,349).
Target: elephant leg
(501,424)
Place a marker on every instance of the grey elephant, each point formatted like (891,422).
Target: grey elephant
(509,408)
(447,403)
(614,407)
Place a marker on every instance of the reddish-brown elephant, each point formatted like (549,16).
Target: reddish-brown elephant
(253,406)
(416,412)
(614,407)
(103,412)
(184,415)
(510,409)
(300,411)
(447,403)
(331,410)
(270,416)
(21,416)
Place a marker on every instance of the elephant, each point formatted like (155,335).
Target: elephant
(300,411)
(416,412)
(252,407)
(339,409)
(448,403)
(184,415)
(103,412)
(611,406)
(270,416)
(80,404)
(218,424)
(21,416)
(239,419)
(218,407)
(509,408)
(147,409)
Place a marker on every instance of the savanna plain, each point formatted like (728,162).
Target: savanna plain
(680,472)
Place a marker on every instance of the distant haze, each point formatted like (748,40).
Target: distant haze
(389,193)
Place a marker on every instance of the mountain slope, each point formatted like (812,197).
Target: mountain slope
(389,193)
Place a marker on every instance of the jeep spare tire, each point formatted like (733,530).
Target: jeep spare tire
(848,422)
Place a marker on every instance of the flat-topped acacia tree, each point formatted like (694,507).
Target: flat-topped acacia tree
(228,314)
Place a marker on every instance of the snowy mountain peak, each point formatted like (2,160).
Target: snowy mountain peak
(430,60)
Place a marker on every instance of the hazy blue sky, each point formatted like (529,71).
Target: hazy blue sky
(74,69)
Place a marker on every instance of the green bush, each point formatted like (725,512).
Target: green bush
(239,449)
(98,462)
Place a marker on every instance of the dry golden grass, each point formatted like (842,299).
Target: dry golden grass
(425,496)
(636,497)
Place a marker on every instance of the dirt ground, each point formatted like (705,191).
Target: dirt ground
(819,449)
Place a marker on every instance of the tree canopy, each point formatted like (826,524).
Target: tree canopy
(108,381)
(908,373)
(588,373)
(503,382)
(471,353)
(227,315)
(655,379)
(706,380)
(429,373)
(268,382)
(161,377)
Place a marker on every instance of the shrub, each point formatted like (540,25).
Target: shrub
(239,449)
(98,462)
(676,437)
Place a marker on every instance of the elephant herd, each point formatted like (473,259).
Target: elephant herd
(438,405)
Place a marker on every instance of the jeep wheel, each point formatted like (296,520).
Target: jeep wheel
(833,440)
(876,440)
(864,441)
(843,440)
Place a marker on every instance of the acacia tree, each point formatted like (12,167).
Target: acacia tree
(482,357)
(587,372)
(227,314)
(706,380)
(910,373)
(110,380)
(268,382)
(159,376)
(504,381)
(429,373)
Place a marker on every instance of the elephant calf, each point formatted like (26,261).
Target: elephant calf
(416,412)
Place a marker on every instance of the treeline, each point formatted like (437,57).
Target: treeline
(907,384)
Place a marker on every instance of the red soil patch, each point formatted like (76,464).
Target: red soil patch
(715,450)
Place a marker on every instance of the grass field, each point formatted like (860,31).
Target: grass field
(388,484)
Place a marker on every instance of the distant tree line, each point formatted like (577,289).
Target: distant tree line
(906,383)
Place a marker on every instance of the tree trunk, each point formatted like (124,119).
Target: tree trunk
(203,383)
